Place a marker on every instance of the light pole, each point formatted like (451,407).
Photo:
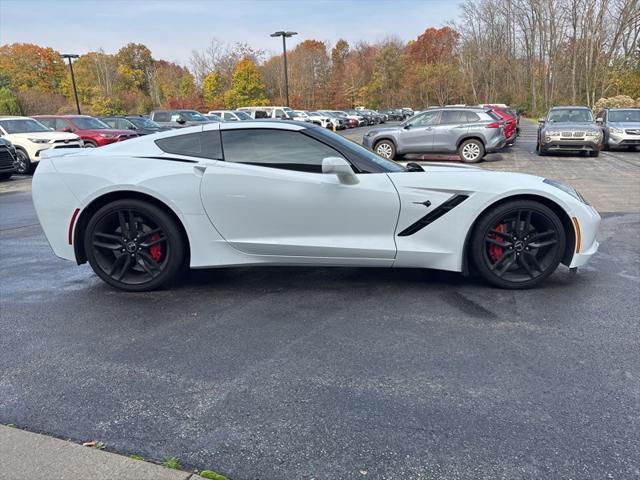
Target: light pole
(284,36)
(69,56)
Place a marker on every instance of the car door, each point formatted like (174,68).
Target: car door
(270,197)
(417,134)
(452,125)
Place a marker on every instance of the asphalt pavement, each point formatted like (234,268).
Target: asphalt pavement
(270,373)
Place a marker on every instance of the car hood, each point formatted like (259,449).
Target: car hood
(633,125)
(50,135)
(572,126)
(108,131)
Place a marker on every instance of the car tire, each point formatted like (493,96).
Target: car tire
(134,246)
(541,151)
(517,244)
(471,151)
(386,149)
(90,144)
(23,163)
(594,154)
(5,176)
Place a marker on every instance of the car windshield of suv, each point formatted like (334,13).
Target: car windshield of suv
(570,115)
(242,115)
(624,115)
(88,123)
(143,122)
(193,116)
(22,125)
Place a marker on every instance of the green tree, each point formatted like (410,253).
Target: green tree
(8,103)
(247,87)
(212,90)
(136,66)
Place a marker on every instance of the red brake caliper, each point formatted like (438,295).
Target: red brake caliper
(495,251)
(155,250)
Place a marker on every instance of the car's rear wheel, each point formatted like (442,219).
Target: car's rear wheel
(471,151)
(386,149)
(23,163)
(134,245)
(518,244)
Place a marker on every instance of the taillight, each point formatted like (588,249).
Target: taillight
(494,125)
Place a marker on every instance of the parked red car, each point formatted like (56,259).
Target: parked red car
(93,132)
(510,121)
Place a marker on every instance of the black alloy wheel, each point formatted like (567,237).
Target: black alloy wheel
(518,244)
(22,163)
(134,245)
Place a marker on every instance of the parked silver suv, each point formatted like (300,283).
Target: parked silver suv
(569,129)
(471,132)
(621,127)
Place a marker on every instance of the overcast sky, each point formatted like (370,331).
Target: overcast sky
(172,29)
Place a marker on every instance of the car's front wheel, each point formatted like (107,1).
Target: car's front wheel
(386,149)
(23,163)
(134,245)
(518,244)
(471,151)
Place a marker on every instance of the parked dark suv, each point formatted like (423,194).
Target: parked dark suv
(569,129)
(471,132)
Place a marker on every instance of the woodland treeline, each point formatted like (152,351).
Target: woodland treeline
(527,53)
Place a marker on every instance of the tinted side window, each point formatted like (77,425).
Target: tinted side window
(452,116)
(61,124)
(471,117)
(427,118)
(276,148)
(109,121)
(161,117)
(201,144)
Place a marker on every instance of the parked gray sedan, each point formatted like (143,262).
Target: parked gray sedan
(471,132)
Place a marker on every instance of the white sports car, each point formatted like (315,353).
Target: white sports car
(290,193)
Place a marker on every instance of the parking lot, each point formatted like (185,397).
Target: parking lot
(264,373)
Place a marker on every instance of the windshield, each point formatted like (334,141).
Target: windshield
(387,165)
(242,115)
(142,122)
(624,115)
(22,125)
(192,116)
(88,123)
(570,115)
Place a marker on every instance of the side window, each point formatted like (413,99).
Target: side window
(280,113)
(283,149)
(161,117)
(261,114)
(61,124)
(109,121)
(471,117)
(451,116)
(427,118)
(175,117)
(228,116)
(201,144)
(123,124)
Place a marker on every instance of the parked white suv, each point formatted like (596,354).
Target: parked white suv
(231,115)
(274,112)
(30,137)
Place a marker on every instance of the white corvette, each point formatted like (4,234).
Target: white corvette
(288,193)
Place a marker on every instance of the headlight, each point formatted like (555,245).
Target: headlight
(554,133)
(594,133)
(38,140)
(108,135)
(619,131)
(565,188)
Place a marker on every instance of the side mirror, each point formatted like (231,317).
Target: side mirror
(407,126)
(599,121)
(541,120)
(66,129)
(181,120)
(341,168)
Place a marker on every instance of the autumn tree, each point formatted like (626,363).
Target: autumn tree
(338,86)
(247,87)
(30,67)
(213,90)
(309,70)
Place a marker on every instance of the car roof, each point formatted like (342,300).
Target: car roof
(570,106)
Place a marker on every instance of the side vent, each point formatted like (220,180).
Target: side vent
(432,216)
